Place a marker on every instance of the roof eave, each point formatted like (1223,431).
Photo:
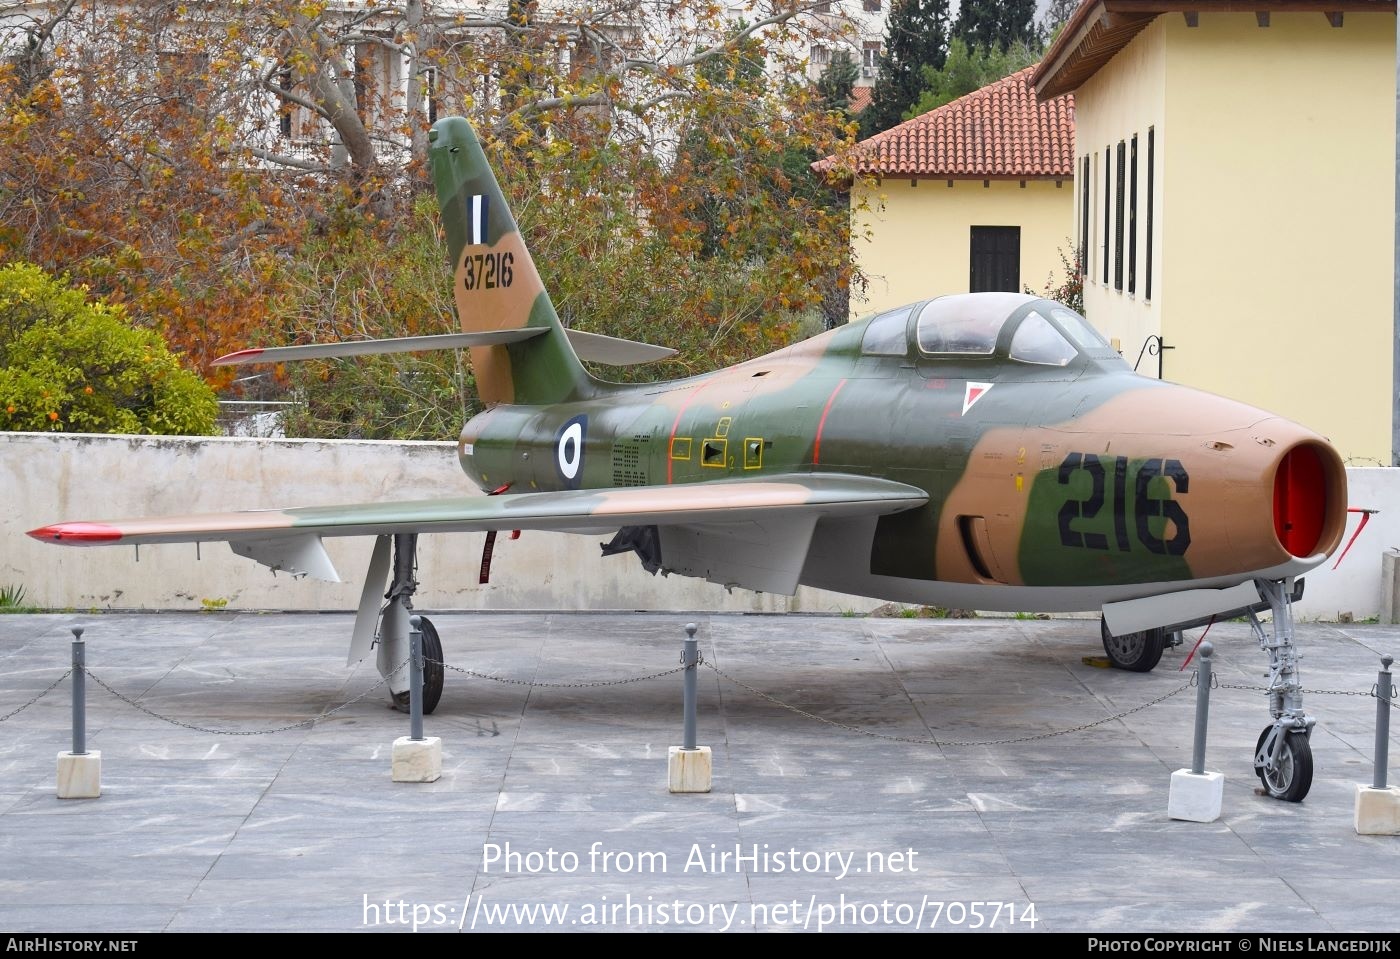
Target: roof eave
(1098,29)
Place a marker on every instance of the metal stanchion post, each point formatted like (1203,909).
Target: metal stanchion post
(1196,795)
(688,766)
(690,658)
(79,693)
(1384,693)
(1377,811)
(1198,753)
(415,679)
(415,758)
(79,771)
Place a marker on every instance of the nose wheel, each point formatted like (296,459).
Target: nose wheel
(1282,756)
(1135,652)
(1283,762)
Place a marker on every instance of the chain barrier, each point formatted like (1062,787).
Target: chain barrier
(1368,693)
(701,661)
(242,732)
(533,683)
(51,687)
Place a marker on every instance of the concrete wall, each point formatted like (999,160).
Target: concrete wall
(51,477)
(1354,588)
(915,242)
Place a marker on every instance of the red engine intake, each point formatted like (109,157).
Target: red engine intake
(1308,503)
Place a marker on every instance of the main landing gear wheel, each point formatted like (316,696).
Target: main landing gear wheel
(1135,652)
(433,670)
(1290,777)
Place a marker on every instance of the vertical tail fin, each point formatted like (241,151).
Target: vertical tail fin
(495,283)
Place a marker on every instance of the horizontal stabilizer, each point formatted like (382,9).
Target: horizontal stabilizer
(402,344)
(594,347)
(612,351)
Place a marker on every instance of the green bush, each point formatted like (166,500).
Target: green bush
(71,365)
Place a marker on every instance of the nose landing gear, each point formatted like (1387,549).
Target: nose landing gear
(1283,755)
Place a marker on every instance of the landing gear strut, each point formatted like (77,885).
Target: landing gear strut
(394,626)
(1283,756)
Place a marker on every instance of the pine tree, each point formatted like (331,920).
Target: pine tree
(984,23)
(838,80)
(967,70)
(1058,14)
(916,36)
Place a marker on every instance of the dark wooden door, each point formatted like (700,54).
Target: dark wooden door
(996,259)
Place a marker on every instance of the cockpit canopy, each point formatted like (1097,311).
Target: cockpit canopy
(1023,328)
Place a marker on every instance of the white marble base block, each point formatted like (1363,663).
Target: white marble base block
(688,770)
(1196,798)
(1377,811)
(417,761)
(80,777)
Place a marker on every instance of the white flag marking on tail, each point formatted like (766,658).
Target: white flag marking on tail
(479,219)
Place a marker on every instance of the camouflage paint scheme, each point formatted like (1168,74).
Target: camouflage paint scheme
(853,461)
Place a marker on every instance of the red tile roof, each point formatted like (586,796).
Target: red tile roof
(860,99)
(1000,131)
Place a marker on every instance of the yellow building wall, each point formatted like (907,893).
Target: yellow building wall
(1279,184)
(1273,220)
(914,242)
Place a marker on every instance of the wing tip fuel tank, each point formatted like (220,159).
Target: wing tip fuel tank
(76,533)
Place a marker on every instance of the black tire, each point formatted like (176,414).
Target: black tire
(433,670)
(1135,652)
(1293,778)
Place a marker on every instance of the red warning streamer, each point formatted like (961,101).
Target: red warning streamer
(490,547)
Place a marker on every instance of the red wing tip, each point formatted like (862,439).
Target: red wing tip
(240,356)
(76,533)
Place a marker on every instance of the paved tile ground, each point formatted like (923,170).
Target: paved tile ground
(303,830)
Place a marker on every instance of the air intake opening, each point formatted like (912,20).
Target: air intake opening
(1300,500)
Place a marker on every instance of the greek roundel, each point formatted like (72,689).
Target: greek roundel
(568,451)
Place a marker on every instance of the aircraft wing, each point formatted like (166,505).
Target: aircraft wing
(768,521)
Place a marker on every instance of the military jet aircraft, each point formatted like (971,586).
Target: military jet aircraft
(987,451)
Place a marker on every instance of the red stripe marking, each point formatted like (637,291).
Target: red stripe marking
(817,446)
(676,425)
(78,533)
(241,356)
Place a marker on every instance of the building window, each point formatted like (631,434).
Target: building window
(870,58)
(822,7)
(1151,175)
(1107,208)
(995,260)
(284,106)
(1118,195)
(1132,216)
(821,56)
(872,6)
(1083,251)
